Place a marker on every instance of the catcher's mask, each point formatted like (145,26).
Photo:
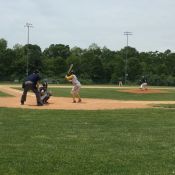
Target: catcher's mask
(44,84)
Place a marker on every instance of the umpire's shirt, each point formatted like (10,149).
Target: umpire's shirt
(34,78)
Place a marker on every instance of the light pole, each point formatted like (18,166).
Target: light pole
(28,25)
(126,59)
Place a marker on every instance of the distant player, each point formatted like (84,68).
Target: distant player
(120,83)
(143,83)
(44,93)
(76,86)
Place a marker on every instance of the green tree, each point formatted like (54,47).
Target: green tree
(34,55)
(129,51)
(3,44)
(170,62)
(134,69)
(77,51)
(20,62)
(97,71)
(76,61)
(57,50)
(60,66)
(6,64)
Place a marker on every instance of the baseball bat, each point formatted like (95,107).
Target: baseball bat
(70,68)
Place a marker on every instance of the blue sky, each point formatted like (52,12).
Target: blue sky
(83,22)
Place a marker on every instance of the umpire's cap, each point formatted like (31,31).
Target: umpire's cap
(36,71)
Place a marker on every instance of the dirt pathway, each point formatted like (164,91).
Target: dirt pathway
(66,103)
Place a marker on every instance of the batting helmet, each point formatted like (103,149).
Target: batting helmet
(72,72)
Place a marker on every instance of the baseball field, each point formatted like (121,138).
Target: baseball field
(114,131)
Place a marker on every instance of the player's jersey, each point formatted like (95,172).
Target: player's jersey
(34,78)
(73,79)
(143,80)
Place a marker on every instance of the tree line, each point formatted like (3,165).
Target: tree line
(92,65)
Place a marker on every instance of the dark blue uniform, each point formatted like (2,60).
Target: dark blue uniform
(30,83)
(34,78)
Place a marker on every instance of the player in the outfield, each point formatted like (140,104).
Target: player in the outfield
(32,83)
(143,83)
(76,86)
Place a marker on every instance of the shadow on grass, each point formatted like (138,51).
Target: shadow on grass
(167,106)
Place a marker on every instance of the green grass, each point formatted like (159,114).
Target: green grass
(109,93)
(165,105)
(115,142)
(2,94)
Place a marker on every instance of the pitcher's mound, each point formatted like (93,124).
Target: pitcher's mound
(140,91)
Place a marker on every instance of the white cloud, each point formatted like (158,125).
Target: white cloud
(80,23)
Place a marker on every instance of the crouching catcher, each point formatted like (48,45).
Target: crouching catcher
(44,93)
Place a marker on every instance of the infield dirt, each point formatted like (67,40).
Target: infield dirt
(66,103)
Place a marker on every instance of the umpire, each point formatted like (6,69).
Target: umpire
(31,83)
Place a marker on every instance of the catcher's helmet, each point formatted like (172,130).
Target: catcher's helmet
(45,83)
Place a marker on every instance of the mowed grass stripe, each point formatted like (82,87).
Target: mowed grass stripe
(115,94)
(109,93)
(87,142)
(2,94)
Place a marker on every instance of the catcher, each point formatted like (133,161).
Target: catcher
(44,93)
(76,86)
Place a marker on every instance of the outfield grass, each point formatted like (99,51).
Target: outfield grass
(165,105)
(116,94)
(109,93)
(114,142)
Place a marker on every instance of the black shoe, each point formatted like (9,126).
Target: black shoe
(39,104)
(22,103)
